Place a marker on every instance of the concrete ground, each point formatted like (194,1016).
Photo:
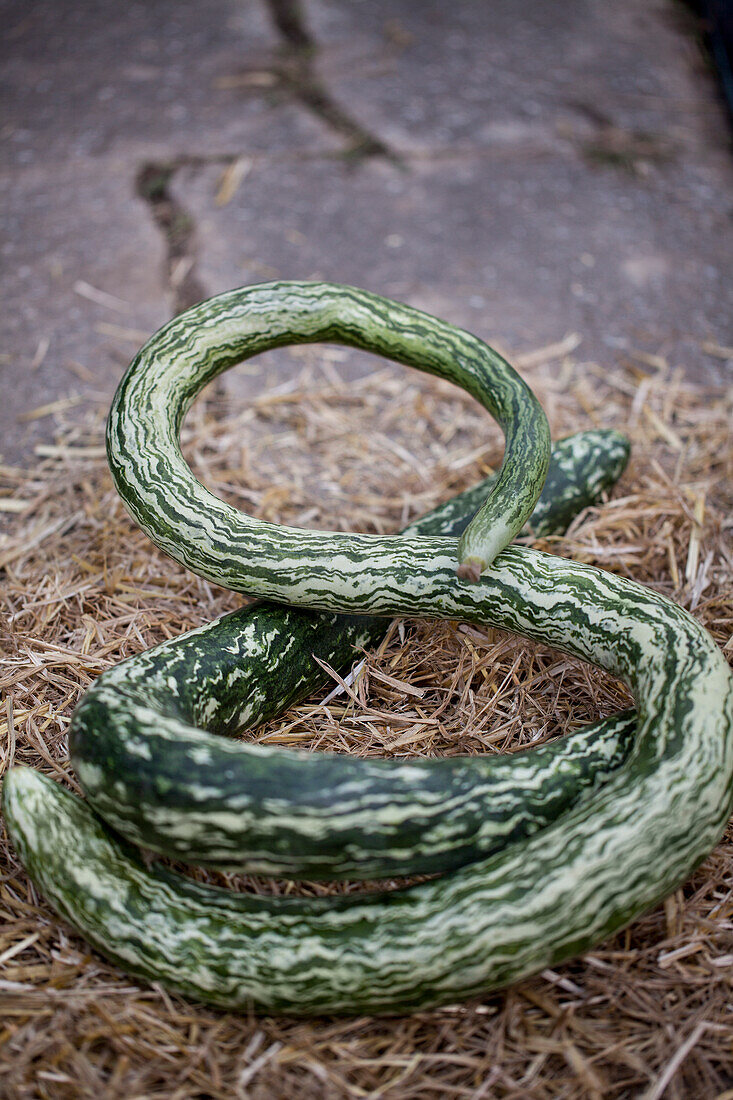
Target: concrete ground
(525,171)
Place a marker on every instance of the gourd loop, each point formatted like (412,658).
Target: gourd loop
(216,540)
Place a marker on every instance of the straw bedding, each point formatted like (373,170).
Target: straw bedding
(647,1013)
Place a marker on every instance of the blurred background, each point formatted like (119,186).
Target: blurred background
(536,173)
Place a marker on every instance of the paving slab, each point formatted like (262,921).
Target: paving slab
(82,278)
(425,74)
(563,167)
(93,92)
(160,79)
(520,247)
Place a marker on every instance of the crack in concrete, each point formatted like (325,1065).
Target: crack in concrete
(289,22)
(177,229)
(296,73)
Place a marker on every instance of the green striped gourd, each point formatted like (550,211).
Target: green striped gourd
(543,897)
(540,900)
(142,753)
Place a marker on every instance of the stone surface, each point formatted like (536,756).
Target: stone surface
(558,167)
(82,281)
(518,247)
(93,92)
(430,74)
(145,79)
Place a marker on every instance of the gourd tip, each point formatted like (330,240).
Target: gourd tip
(471,570)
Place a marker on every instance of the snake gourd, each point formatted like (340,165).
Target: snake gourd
(548,892)
(140,747)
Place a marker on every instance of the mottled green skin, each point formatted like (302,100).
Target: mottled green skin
(221,543)
(171,787)
(538,901)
